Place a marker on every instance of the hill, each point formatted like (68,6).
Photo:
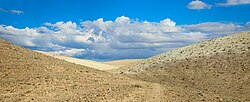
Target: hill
(122,63)
(88,63)
(108,65)
(218,66)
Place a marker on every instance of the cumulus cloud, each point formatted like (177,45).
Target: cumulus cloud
(215,28)
(18,12)
(197,5)
(123,38)
(70,52)
(234,2)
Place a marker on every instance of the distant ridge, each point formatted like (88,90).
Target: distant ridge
(88,63)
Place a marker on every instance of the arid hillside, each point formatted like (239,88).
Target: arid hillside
(30,76)
(218,66)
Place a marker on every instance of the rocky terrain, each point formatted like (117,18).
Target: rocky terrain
(219,66)
(30,76)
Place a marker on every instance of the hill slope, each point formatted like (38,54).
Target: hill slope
(218,66)
(122,63)
(109,65)
(88,63)
(30,76)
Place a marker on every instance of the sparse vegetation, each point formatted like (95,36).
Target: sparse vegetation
(137,86)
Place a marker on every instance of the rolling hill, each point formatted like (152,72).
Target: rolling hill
(108,65)
(122,63)
(217,66)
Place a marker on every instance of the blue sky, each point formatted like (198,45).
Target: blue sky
(36,12)
(103,29)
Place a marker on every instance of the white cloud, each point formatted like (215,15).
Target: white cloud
(168,22)
(18,12)
(234,2)
(122,20)
(197,5)
(248,25)
(215,28)
(61,27)
(120,39)
(70,52)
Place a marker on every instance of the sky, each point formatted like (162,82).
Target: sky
(106,30)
